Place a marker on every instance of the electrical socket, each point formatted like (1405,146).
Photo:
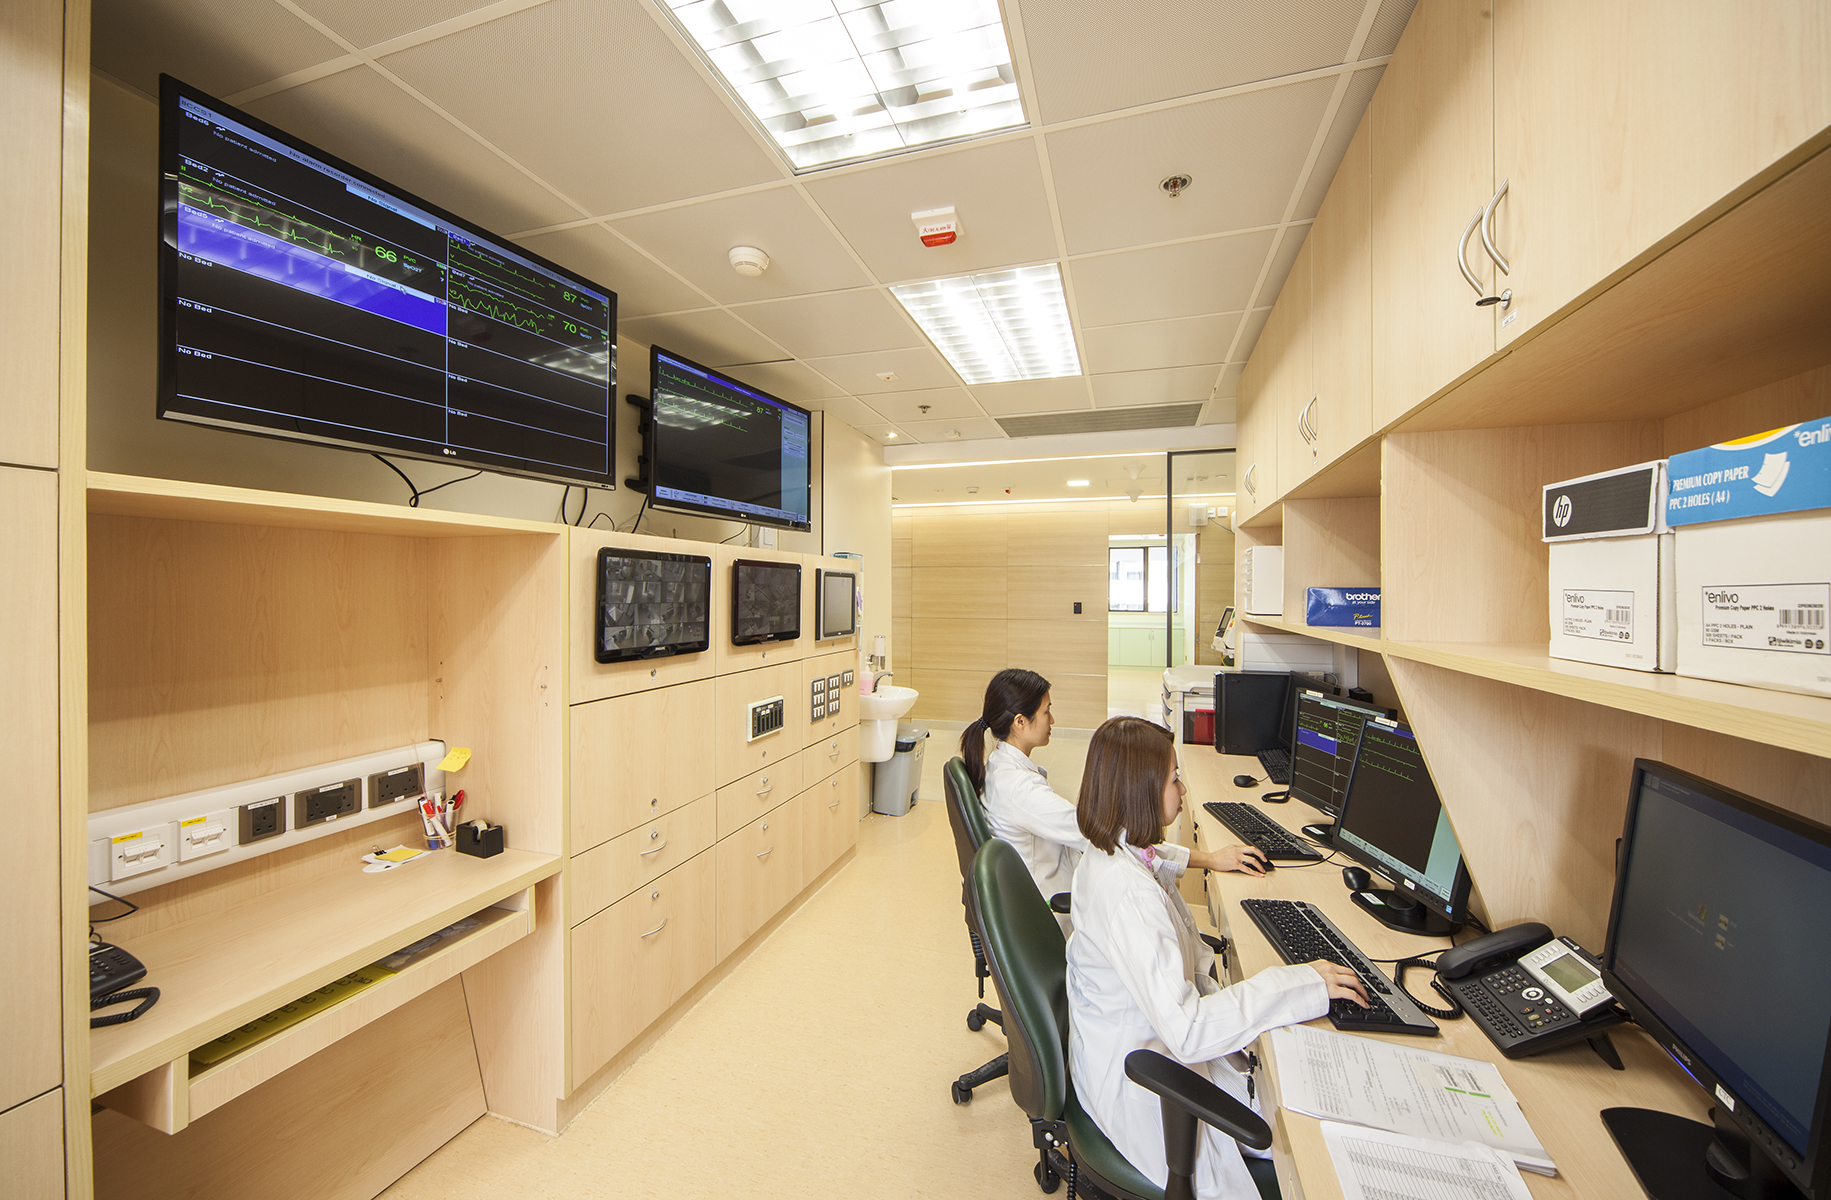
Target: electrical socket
(262,819)
(389,786)
(327,803)
(205,834)
(149,849)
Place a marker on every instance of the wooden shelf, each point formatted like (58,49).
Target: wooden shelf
(216,974)
(1360,639)
(1784,719)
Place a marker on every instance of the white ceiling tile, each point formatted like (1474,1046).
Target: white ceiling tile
(712,338)
(362,117)
(1347,119)
(1387,26)
(834,323)
(915,371)
(1228,385)
(697,239)
(221,46)
(1250,328)
(1219,412)
(1167,385)
(788,380)
(1033,396)
(943,404)
(594,98)
(964,429)
(1088,57)
(1185,342)
(997,191)
(850,410)
(364,22)
(642,287)
(1244,154)
(1184,280)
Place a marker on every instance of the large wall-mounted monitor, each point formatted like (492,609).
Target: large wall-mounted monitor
(652,605)
(721,448)
(835,604)
(302,298)
(765,601)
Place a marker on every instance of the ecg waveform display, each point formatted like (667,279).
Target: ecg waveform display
(723,448)
(304,301)
(1392,809)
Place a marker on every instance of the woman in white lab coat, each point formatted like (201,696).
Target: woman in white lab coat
(1138,975)
(1025,811)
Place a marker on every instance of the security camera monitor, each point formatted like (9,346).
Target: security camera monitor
(835,595)
(652,605)
(765,602)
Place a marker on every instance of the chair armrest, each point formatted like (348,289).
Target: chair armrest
(1218,945)
(1177,1085)
(1059,902)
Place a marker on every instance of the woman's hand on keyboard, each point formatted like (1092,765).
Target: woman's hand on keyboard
(1247,860)
(1343,984)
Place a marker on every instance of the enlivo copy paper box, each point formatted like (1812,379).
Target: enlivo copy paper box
(1611,572)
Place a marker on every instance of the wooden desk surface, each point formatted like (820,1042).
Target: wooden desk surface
(1562,1093)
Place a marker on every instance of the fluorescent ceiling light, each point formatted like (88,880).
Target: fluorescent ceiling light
(1077,483)
(838,80)
(999,326)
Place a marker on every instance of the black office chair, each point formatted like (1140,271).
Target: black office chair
(971,831)
(1028,960)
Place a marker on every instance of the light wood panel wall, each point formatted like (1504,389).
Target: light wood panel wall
(31,1138)
(1789,401)
(31,218)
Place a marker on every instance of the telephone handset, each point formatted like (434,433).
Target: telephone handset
(1529,991)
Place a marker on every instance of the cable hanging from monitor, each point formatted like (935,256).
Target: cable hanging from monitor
(413,501)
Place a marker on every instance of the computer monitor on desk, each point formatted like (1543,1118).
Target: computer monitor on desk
(1322,751)
(1393,821)
(1719,944)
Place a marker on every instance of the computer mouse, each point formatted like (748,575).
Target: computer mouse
(1244,781)
(1356,878)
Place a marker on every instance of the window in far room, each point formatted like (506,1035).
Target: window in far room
(1138,579)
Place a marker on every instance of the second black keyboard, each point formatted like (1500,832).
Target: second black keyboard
(1301,934)
(1277,764)
(1268,837)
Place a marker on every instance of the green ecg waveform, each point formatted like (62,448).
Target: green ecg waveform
(254,215)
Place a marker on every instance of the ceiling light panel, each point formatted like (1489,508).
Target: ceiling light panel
(839,80)
(998,326)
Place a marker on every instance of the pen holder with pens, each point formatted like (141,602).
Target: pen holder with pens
(483,843)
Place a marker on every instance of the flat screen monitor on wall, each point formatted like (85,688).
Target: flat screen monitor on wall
(719,447)
(303,298)
(652,605)
(765,602)
(836,598)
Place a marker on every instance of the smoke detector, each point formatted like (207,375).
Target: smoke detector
(748,261)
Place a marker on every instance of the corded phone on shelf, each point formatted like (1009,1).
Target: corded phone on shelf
(1531,992)
(110,970)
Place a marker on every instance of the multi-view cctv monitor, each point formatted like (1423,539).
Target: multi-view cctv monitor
(765,602)
(651,605)
(835,598)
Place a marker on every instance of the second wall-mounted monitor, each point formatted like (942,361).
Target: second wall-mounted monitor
(835,604)
(652,605)
(765,602)
(721,448)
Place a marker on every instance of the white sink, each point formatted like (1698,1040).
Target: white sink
(886,703)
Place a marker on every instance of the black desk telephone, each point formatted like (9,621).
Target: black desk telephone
(110,970)
(1531,992)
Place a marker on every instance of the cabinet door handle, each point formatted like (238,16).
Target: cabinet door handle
(767,852)
(657,929)
(1252,489)
(652,850)
(1487,230)
(1305,426)
(1462,256)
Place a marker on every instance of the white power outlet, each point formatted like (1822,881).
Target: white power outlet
(210,833)
(136,853)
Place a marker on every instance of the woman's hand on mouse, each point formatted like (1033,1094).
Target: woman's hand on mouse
(1247,860)
(1342,983)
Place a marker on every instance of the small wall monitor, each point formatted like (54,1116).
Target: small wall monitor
(302,298)
(836,602)
(719,447)
(1393,822)
(1717,944)
(1322,755)
(765,602)
(652,605)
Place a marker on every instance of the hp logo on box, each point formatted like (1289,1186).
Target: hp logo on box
(1560,512)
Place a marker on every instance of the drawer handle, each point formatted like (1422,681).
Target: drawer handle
(767,852)
(767,787)
(835,751)
(835,803)
(651,850)
(657,929)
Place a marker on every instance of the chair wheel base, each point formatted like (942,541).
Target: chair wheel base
(1046,1179)
(974,1021)
(961,1093)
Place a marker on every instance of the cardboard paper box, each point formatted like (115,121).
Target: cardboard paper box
(1611,572)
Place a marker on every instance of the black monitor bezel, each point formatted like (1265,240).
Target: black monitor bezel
(668,651)
(652,443)
(1813,1174)
(171,90)
(1370,711)
(736,591)
(1457,912)
(851,629)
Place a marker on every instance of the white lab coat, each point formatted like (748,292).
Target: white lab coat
(1138,979)
(1025,811)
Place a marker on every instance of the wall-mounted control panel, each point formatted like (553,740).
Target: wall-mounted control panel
(766,717)
(824,696)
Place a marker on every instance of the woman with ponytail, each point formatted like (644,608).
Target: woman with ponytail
(1025,811)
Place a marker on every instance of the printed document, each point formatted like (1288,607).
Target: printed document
(1340,1077)
(1373,1165)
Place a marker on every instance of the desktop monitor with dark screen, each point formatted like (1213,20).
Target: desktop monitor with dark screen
(1393,822)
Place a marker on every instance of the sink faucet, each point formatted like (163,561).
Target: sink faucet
(880,677)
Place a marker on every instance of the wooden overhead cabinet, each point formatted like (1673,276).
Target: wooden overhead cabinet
(1339,413)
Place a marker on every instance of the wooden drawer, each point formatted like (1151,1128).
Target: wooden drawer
(754,795)
(829,821)
(824,757)
(632,961)
(605,874)
(826,667)
(759,871)
(637,757)
(734,757)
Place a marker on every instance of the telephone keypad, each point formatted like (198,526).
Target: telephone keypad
(1524,1001)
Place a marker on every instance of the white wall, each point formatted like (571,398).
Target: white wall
(856,519)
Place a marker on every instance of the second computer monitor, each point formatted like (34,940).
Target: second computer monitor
(1322,751)
(1393,821)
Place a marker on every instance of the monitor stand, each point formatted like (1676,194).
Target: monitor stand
(1675,1158)
(1396,910)
(1322,835)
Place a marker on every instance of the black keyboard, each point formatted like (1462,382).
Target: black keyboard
(1250,826)
(1277,764)
(1301,934)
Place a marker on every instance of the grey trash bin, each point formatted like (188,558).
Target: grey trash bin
(893,788)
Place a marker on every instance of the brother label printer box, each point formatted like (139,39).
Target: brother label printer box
(1753,519)
(1353,607)
(1612,572)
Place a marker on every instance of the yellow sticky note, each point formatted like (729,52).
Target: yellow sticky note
(400,854)
(455,760)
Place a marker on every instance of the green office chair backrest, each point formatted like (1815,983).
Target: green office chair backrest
(957,781)
(1029,961)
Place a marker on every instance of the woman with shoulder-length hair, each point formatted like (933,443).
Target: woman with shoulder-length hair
(1025,811)
(1138,974)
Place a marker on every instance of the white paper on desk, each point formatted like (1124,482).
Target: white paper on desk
(1372,1164)
(1421,1093)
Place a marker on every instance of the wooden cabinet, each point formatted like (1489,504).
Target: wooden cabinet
(825,757)
(734,755)
(829,821)
(1432,174)
(1257,457)
(632,961)
(754,795)
(759,871)
(1341,313)
(637,757)
(827,668)
(1616,123)
(607,873)
(1290,379)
